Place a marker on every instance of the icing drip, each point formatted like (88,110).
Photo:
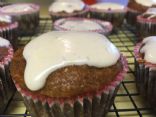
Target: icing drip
(4,42)
(107,6)
(79,25)
(66,6)
(17,8)
(151,12)
(147,3)
(149,49)
(56,49)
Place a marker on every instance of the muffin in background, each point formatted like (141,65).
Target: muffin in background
(83,25)
(67,8)
(137,7)
(145,66)
(7,88)
(146,23)
(8,29)
(84,78)
(27,16)
(112,12)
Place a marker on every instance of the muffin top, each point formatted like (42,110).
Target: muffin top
(83,24)
(66,6)
(148,49)
(19,8)
(147,3)
(107,6)
(65,51)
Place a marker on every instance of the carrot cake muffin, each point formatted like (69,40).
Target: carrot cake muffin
(27,15)
(68,77)
(108,11)
(137,7)
(145,65)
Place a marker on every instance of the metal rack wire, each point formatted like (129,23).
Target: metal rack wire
(128,102)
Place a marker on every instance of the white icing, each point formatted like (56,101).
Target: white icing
(5,18)
(149,49)
(56,49)
(4,42)
(151,12)
(17,8)
(107,5)
(81,25)
(146,2)
(66,6)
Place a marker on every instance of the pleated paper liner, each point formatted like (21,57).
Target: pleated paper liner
(107,26)
(86,105)
(145,78)
(7,88)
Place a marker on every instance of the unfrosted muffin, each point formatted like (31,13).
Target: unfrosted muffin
(137,7)
(67,8)
(8,29)
(7,87)
(145,65)
(112,12)
(74,74)
(83,25)
(146,23)
(27,15)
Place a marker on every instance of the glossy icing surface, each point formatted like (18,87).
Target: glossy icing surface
(149,49)
(146,2)
(67,6)
(108,6)
(151,12)
(4,42)
(5,18)
(79,25)
(18,8)
(58,49)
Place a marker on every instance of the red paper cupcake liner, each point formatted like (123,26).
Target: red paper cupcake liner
(84,105)
(107,26)
(7,87)
(145,78)
(146,27)
(116,17)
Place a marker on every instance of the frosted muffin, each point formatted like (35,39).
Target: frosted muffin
(83,25)
(62,9)
(8,29)
(7,87)
(145,65)
(112,12)
(27,15)
(146,23)
(71,77)
(137,7)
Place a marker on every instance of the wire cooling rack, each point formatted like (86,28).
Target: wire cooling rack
(128,102)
